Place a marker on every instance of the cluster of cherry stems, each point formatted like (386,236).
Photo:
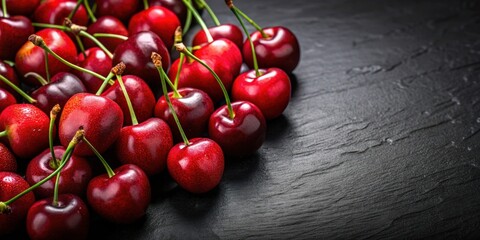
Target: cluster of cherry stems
(107,99)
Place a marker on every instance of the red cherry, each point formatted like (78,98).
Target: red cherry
(22,7)
(270,92)
(30,58)
(55,11)
(197,167)
(12,184)
(26,128)
(97,61)
(145,145)
(176,6)
(193,110)
(280,49)
(147,20)
(9,73)
(122,198)
(14,32)
(100,117)
(242,135)
(141,96)
(73,179)
(68,219)
(8,163)
(229,31)
(106,24)
(6,99)
(121,9)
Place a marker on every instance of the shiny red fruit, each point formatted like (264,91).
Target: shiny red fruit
(106,24)
(229,31)
(55,11)
(9,73)
(176,6)
(21,7)
(97,61)
(6,99)
(121,9)
(14,32)
(8,163)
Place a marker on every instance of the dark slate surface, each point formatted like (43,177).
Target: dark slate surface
(379,141)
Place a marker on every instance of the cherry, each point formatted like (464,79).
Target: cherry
(14,31)
(8,72)
(135,53)
(109,25)
(100,117)
(239,136)
(143,100)
(67,218)
(8,162)
(55,11)
(23,7)
(196,167)
(176,6)
(121,9)
(228,31)
(26,129)
(121,196)
(97,61)
(73,179)
(193,108)
(6,99)
(31,58)
(13,215)
(147,20)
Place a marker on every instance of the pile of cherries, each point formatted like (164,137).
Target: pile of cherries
(86,85)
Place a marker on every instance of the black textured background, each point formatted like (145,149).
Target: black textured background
(379,141)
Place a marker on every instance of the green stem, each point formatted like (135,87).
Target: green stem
(4,8)
(98,43)
(53,117)
(18,90)
(210,12)
(199,20)
(109,170)
(3,133)
(9,62)
(188,21)
(110,35)
(183,49)
(104,84)
(177,76)
(37,76)
(47,25)
(145,4)
(47,71)
(254,54)
(254,24)
(79,2)
(89,11)
(80,45)
(127,99)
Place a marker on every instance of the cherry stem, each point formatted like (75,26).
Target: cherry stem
(157,61)
(4,7)
(104,84)
(118,71)
(18,90)
(254,24)
(177,76)
(81,31)
(89,11)
(145,4)
(210,12)
(38,41)
(110,35)
(254,54)
(37,76)
(188,21)
(98,43)
(47,71)
(53,116)
(66,156)
(47,25)
(181,48)
(79,2)
(80,45)
(107,167)
(3,133)
(9,62)
(199,20)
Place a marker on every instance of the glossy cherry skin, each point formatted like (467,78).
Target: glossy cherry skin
(229,31)
(97,61)
(9,73)
(14,32)
(55,12)
(176,6)
(27,129)
(68,219)
(106,24)
(22,7)
(12,184)
(270,92)
(74,177)
(6,99)
(30,58)
(193,110)
(8,162)
(121,9)
(215,54)
(280,50)
(136,54)
(242,135)
(62,87)
(145,145)
(141,97)
(197,167)
(100,117)
(123,198)
(149,19)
